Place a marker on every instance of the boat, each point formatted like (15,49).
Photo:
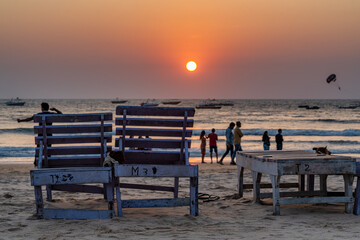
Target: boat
(171,102)
(313,107)
(118,101)
(148,103)
(15,102)
(303,106)
(349,107)
(208,106)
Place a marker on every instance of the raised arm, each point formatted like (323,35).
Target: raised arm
(55,110)
(25,119)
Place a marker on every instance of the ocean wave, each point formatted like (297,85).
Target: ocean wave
(17,151)
(288,132)
(17,130)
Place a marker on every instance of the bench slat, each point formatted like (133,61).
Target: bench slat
(153,132)
(51,129)
(73,161)
(74,139)
(155,111)
(149,170)
(63,118)
(72,150)
(159,122)
(152,143)
(151,155)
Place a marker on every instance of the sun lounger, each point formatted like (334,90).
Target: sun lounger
(70,152)
(161,151)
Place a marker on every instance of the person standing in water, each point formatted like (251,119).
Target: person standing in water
(229,142)
(213,145)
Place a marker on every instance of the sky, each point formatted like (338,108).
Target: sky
(244,49)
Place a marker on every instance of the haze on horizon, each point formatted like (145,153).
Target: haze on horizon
(139,49)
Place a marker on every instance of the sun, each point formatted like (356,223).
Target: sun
(191,66)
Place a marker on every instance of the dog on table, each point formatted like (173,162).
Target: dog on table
(322,150)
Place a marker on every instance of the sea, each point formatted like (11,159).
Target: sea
(335,124)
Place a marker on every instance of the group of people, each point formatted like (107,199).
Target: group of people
(233,139)
(278,139)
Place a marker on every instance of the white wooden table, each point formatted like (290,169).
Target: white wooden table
(279,163)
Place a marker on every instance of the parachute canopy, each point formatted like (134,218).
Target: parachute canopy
(331,78)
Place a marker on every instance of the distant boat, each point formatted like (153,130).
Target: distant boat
(118,101)
(148,103)
(349,107)
(208,106)
(313,107)
(225,103)
(15,102)
(171,102)
(303,106)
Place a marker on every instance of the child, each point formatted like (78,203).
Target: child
(212,142)
(203,145)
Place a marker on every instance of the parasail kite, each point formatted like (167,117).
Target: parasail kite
(331,79)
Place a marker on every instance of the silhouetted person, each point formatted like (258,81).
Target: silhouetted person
(213,137)
(229,142)
(266,140)
(279,140)
(44,110)
(237,141)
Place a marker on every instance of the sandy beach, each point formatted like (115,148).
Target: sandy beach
(229,217)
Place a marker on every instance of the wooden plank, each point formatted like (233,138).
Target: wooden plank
(77,214)
(73,150)
(166,202)
(78,188)
(53,129)
(153,132)
(147,187)
(73,139)
(76,161)
(151,143)
(154,122)
(144,155)
(268,185)
(313,200)
(67,118)
(49,176)
(154,111)
(145,170)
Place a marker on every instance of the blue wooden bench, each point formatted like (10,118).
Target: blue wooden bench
(74,145)
(155,142)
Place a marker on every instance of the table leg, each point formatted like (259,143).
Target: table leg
(301,179)
(275,181)
(323,184)
(256,176)
(240,181)
(310,182)
(348,179)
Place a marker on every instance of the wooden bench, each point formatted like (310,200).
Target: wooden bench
(74,144)
(155,147)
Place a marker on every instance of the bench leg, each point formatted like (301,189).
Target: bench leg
(310,182)
(48,193)
(348,179)
(39,202)
(240,181)
(275,181)
(194,192)
(357,197)
(110,196)
(118,197)
(176,187)
(323,184)
(256,176)
(301,180)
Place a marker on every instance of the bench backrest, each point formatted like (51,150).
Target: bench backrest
(154,135)
(72,140)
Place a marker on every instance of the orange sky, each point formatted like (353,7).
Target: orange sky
(138,49)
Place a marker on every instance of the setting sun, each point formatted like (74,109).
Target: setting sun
(191,66)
